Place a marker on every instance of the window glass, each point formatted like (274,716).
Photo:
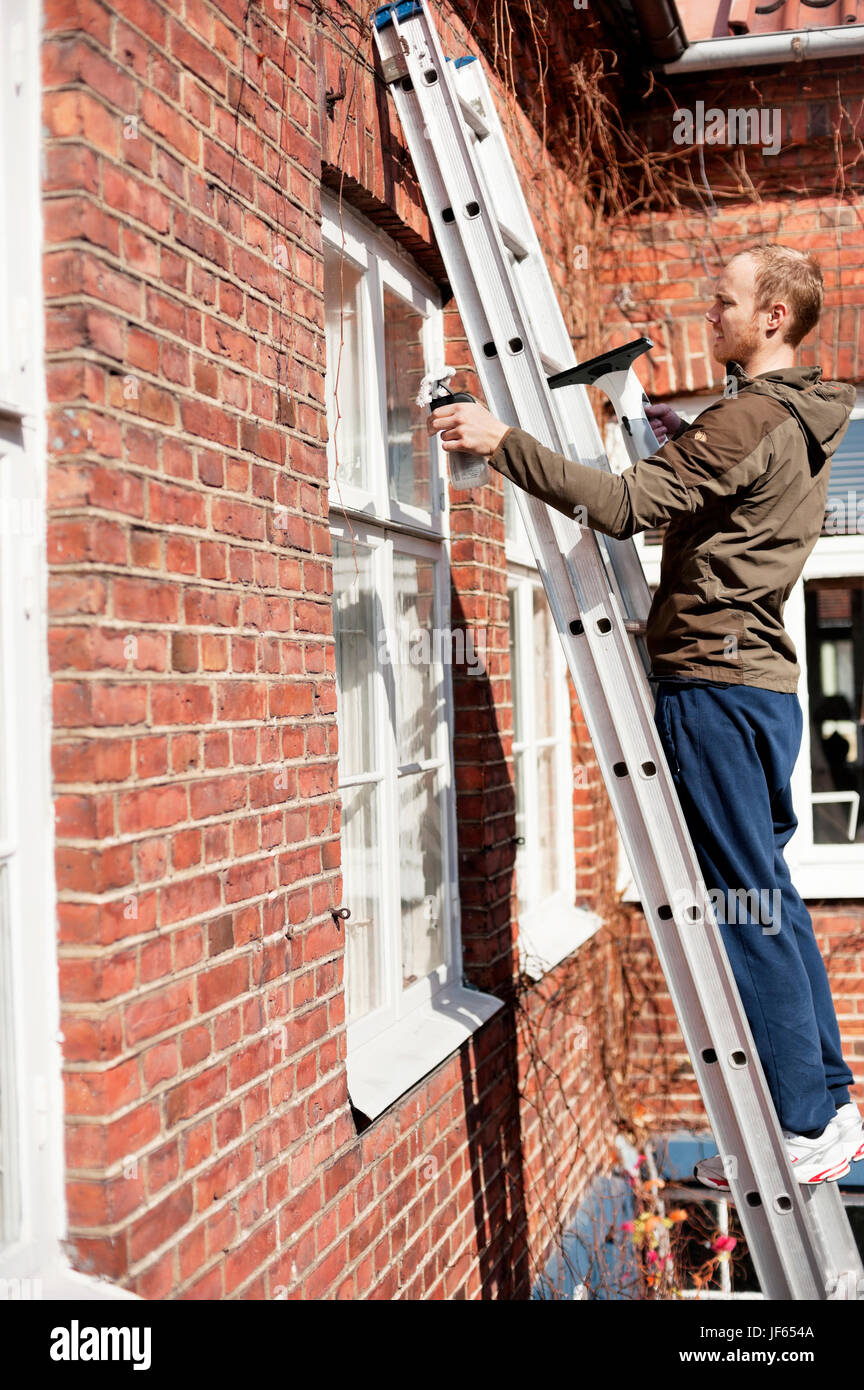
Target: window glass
(540,730)
(418,696)
(361,850)
(547,821)
(514,526)
(515,668)
(420,868)
(408,443)
(544,664)
(345,347)
(844,509)
(834,617)
(355,631)
(9,1222)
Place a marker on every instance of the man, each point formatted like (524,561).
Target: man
(743,491)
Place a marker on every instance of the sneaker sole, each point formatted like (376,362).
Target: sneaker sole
(838,1170)
(719,1184)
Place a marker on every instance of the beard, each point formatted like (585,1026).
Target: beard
(740,345)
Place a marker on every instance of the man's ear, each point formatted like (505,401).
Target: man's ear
(778,315)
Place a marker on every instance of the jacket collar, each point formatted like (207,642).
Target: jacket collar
(798,376)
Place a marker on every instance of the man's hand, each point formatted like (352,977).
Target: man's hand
(468,426)
(663,420)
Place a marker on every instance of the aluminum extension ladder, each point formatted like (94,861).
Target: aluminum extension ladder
(799,1238)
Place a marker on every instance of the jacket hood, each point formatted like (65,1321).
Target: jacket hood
(822,408)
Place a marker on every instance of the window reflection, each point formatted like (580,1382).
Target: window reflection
(834,614)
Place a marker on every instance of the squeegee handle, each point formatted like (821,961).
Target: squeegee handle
(615,373)
(639,438)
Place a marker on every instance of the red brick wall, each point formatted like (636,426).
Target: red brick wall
(660,1070)
(211,1149)
(660,264)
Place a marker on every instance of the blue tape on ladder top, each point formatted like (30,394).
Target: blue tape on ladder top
(466,58)
(407,10)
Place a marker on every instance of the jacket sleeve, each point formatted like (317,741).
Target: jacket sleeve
(701,463)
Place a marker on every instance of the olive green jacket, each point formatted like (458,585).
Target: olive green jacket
(743,490)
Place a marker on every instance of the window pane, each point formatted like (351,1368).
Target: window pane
(844,508)
(344,379)
(515,674)
(514,526)
(9,1210)
(421,870)
(417,658)
(511,511)
(834,613)
(544,665)
(547,822)
(521,833)
(355,628)
(408,451)
(360,869)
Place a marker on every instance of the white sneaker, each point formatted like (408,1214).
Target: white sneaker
(711,1173)
(813,1160)
(851,1130)
(818,1160)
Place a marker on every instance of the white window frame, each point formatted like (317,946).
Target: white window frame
(32,1263)
(398,1001)
(818,871)
(386,266)
(550,928)
(553,930)
(414,1029)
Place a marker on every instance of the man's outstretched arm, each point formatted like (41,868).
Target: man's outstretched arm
(676,480)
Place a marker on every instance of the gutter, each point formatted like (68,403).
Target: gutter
(751,50)
(660,26)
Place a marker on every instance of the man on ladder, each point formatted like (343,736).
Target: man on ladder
(743,490)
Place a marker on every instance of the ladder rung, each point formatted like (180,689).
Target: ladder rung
(473,118)
(550,364)
(513,241)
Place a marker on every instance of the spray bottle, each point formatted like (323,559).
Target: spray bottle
(467,471)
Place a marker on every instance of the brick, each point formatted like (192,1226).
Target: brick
(160,1224)
(195,1095)
(159,1011)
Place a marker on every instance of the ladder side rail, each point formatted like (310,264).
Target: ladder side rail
(578,425)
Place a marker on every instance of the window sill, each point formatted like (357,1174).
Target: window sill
(547,938)
(387,1066)
(24,1275)
(830,877)
(815,880)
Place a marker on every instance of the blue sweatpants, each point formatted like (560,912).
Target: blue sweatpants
(731,751)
